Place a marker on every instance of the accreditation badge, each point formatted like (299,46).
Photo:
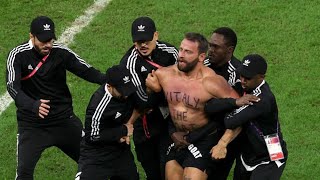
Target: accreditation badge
(274,147)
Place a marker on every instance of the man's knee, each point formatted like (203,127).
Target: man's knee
(194,173)
(173,170)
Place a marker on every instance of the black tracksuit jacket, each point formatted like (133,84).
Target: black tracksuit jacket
(164,54)
(260,117)
(49,82)
(228,71)
(104,126)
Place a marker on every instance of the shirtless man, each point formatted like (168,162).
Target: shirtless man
(188,85)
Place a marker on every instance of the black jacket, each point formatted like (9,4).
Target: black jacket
(259,117)
(228,71)
(104,125)
(164,55)
(49,82)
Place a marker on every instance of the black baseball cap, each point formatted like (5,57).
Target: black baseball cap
(143,29)
(120,78)
(252,65)
(43,28)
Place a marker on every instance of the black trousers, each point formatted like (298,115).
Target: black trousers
(32,141)
(151,153)
(263,172)
(119,168)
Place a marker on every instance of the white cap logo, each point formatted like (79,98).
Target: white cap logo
(246,62)
(126,79)
(141,28)
(46,27)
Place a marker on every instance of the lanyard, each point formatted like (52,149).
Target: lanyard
(259,131)
(145,126)
(256,128)
(36,69)
(149,61)
(144,117)
(154,64)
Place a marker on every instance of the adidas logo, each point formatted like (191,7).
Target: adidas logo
(126,79)
(246,62)
(30,67)
(46,27)
(118,115)
(141,28)
(143,69)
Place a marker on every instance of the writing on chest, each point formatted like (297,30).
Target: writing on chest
(188,100)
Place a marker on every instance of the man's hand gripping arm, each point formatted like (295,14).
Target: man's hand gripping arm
(219,151)
(152,83)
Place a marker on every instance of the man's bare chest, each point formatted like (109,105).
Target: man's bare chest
(189,93)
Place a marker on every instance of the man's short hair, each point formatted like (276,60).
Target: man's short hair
(196,37)
(229,35)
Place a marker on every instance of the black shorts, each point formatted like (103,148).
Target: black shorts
(196,155)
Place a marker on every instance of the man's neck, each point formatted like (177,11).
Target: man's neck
(196,73)
(224,62)
(259,84)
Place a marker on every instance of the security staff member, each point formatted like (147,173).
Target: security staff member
(105,153)
(221,59)
(150,132)
(263,150)
(36,80)
(222,45)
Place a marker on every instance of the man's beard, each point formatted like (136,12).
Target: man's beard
(39,50)
(189,66)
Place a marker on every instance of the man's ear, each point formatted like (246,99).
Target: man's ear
(262,76)
(202,57)
(231,49)
(156,36)
(108,87)
(31,35)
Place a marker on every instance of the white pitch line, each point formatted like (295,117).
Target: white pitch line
(5,101)
(66,38)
